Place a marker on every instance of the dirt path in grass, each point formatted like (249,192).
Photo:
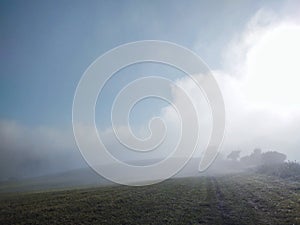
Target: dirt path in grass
(249,199)
(224,200)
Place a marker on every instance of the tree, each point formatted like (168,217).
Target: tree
(254,159)
(257,151)
(234,155)
(273,157)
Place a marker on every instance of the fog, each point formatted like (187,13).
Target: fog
(34,151)
(261,99)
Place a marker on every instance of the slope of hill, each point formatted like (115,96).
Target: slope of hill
(72,179)
(236,199)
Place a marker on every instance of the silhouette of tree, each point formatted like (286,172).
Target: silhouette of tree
(254,159)
(234,155)
(273,157)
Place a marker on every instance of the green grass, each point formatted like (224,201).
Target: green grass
(236,199)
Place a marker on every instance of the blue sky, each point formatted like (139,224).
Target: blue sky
(47,45)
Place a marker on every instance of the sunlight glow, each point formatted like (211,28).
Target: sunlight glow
(273,68)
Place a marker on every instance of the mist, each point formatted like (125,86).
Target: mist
(256,117)
(35,151)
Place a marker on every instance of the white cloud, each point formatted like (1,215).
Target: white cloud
(249,124)
(259,82)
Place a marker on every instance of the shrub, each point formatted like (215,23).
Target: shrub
(289,170)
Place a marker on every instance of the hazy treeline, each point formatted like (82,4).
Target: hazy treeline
(269,162)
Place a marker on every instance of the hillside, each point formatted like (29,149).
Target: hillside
(231,199)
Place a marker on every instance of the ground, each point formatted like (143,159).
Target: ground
(235,199)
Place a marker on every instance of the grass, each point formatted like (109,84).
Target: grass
(288,170)
(235,199)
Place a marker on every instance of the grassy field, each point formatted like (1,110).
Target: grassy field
(235,199)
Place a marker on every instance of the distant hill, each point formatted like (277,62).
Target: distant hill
(72,179)
(81,178)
